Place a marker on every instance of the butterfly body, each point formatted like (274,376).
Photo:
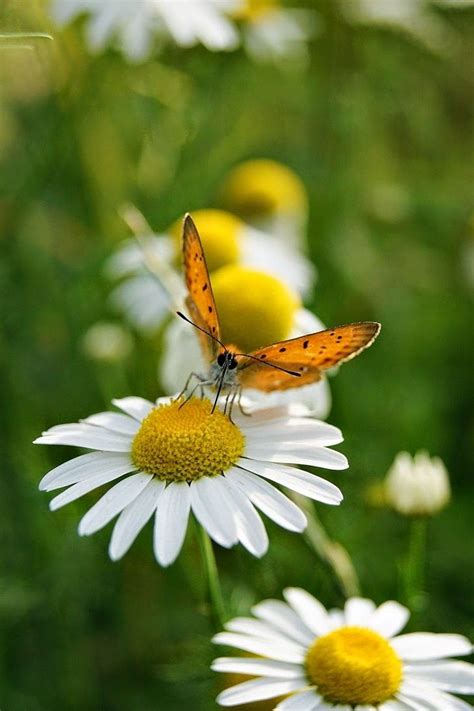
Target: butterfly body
(279,366)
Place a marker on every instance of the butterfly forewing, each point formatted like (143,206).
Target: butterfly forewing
(309,356)
(200,300)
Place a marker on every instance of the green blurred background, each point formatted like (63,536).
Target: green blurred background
(380,131)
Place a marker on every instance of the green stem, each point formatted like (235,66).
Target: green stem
(213,583)
(413,566)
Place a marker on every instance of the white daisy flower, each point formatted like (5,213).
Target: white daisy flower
(226,240)
(342,660)
(167,460)
(255,309)
(417,486)
(136,24)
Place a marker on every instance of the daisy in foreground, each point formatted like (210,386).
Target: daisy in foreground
(342,660)
(168,460)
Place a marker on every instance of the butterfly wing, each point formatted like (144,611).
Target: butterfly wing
(307,356)
(200,300)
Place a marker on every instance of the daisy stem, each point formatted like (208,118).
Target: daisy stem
(414,565)
(213,582)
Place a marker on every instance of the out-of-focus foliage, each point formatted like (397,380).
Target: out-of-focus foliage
(380,131)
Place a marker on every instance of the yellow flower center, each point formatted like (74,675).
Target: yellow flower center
(186,443)
(255,309)
(262,187)
(252,10)
(354,665)
(220,234)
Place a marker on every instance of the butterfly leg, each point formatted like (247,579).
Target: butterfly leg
(239,402)
(202,382)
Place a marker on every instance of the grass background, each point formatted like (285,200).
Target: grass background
(374,114)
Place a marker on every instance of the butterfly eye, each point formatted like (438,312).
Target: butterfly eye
(233,364)
(221,359)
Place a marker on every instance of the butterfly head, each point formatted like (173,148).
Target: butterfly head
(227,359)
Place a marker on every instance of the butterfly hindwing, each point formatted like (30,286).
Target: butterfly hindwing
(309,356)
(200,300)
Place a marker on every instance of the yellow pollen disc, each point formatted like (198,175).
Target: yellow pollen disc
(262,187)
(354,665)
(255,309)
(186,443)
(220,234)
(252,10)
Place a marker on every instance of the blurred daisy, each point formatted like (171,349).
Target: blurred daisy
(417,486)
(342,660)
(255,309)
(270,196)
(107,342)
(171,460)
(226,240)
(272,32)
(136,24)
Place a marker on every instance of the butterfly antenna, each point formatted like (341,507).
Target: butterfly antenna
(271,365)
(188,320)
(221,383)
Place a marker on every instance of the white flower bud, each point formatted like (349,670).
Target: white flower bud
(108,342)
(417,486)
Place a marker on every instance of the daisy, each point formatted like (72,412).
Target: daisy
(136,24)
(255,309)
(167,460)
(417,486)
(342,660)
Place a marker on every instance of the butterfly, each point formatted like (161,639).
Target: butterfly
(279,366)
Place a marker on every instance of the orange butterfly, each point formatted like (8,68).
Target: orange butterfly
(280,366)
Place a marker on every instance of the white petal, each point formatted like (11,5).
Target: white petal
(261,416)
(269,500)
(358,611)
(83,487)
(89,437)
(171,522)
(259,667)
(296,429)
(389,618)
(136,407)
(426,645)
(114,421)
(304,701)
(430,698)
(257,690)
(299,454)
(395,705)
(280,615)
(255,628)
(284,652)
(448,676)
(84,467)
(210,505)
(250,528)
(112,503)
(311,611)
(303,482)
(133,518)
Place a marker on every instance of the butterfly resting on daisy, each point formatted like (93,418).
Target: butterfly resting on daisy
(279,366)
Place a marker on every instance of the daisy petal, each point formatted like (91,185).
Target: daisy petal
(297,429)
(114,421)
(87,436)
(397,705)
(447,676)
(210,505)
(426,645)
(259,667)
(250,528)
(281,616)
(112,503)
(315,487)
(430,698)
(389,618)
(304,701)
(171,522)
(133,518)
(136,407)
(254,628)
(85,467)
(269,500)
(298,454)
(358,611)
(311,611)
(81,488)
(287,651)
(258,690)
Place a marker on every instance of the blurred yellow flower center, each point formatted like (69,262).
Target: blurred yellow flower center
(354,665)
(220,234)
(186,443)
(254,9)
(255,309)
(262,187)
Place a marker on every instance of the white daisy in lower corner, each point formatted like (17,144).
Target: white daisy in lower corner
(168,460)
(342,660)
